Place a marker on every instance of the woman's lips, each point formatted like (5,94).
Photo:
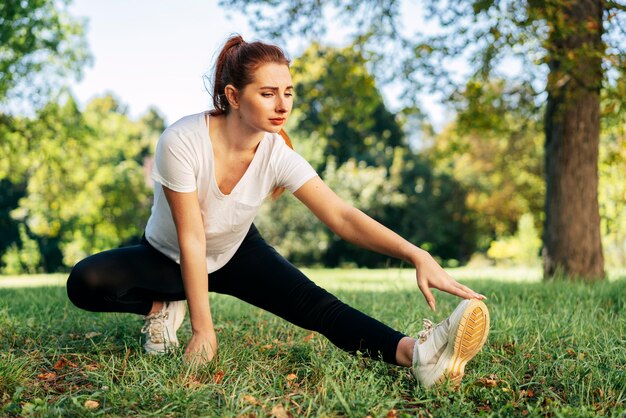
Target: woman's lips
(277,121)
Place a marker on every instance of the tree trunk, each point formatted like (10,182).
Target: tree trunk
(571,240)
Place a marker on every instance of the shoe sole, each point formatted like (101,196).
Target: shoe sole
(469,338)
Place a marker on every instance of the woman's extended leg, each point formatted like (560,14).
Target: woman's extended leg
(258,275)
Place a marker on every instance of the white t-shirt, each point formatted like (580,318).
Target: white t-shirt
(184,163)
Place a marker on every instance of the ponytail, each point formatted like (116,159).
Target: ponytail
(236,64)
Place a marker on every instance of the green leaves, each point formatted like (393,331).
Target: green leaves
(38,38)
(85,184)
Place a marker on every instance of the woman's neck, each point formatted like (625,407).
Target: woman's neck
(235,136)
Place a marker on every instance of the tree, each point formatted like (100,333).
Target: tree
(85,186)
(561,45)
(341,111)
(40,44)
(494,149)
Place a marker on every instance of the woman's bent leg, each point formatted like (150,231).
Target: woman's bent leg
(126,279)
(258,275)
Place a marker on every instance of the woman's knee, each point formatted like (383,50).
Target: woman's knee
(82,283)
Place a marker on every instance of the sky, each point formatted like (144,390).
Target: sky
(155,53)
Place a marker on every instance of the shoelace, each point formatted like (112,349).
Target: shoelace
(155,325)
(428,329)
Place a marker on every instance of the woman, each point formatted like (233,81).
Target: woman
(212,172)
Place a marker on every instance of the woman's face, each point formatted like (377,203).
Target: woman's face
(265,104)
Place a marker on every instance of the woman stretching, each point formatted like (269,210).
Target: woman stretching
(212,172)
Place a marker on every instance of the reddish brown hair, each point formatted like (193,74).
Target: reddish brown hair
(236,64)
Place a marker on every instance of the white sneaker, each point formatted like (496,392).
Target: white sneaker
(442,351)
(160,328)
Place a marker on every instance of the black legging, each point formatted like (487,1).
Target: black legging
(129,279)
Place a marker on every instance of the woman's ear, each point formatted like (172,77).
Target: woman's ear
(232,95)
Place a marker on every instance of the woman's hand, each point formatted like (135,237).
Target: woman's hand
(431,275)
(201,348)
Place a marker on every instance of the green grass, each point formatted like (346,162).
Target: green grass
(555,349)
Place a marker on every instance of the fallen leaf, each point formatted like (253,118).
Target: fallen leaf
(62,362)
(47,376)
(92,334)
(570,352)
(392,414)
(309,337)
(292,376)
(91,367)
(530,393)
(218,377)
(193,383)
(89,404)
(490,383)
(249,399)
(279,411)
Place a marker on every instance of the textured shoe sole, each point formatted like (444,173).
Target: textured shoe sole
(469,339)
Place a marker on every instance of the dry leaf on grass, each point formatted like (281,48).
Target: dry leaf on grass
(62,362)
(279,411)
(193,383)
(89,404)
(486,382)
(292,376)
(47,376)
(249,399)
(309,337)
(92,334)
(392,414)
(218,377)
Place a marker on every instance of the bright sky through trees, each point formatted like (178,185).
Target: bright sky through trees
(155,53)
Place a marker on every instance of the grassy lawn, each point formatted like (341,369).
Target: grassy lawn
(554,349)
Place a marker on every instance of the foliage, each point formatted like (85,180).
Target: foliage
(521,248)
(340,112)
(40,45)
(612,188)
(498,159)
(492,38)
(22,259)
(556,349)
(85,185)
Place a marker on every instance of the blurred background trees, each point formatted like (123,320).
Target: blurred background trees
(566,53)
(76,181)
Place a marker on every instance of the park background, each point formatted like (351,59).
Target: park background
(432,118)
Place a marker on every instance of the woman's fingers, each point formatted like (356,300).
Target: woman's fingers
(430,299)
(470,291)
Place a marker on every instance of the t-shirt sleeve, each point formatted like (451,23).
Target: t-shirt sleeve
(292,170)
(174,163)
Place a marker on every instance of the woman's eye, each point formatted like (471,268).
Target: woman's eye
(289,94)
(266,94)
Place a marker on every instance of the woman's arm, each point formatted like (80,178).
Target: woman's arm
(356,227)
(191,240)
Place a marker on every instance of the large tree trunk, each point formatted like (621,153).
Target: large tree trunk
(571,238)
